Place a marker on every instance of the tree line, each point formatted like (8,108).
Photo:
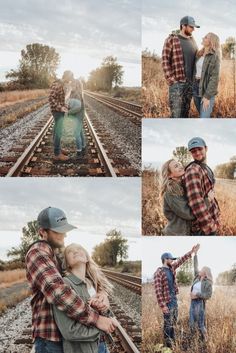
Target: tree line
(37,69)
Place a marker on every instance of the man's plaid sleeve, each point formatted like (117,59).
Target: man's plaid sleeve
(158,289)
(181,260)
(166,59)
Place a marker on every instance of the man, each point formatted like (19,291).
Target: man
(178,62)
(48,287)
(199,182)
(58,109)
(166,291)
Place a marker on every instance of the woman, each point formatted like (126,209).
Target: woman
(207,75)
(175,204)
(77,111)
(201,290)
(85,277)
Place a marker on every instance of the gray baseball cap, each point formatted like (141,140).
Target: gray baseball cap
(54,219)
(196,142)
(188,20)
(168,255)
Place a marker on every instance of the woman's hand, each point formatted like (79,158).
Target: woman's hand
(100,302)
(205,104)
(193,296)
(211,195)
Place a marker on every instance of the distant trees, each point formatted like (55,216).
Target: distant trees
(226,170)
(107,76)
(112,250)
(227,277)
(37,67)
(29,235)
(182,155)
(185,273)
(228,48)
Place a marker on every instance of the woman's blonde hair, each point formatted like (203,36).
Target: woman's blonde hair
(208,273)
(167,184)
(93,272)
(214,44)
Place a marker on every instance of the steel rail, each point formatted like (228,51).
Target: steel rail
(126,341)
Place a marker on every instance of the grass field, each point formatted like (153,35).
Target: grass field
(155,91)
(220,322)
(11,97)
(153,220)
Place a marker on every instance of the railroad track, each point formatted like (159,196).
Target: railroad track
(226,181)
(33,156)
(131,282)
(128,109)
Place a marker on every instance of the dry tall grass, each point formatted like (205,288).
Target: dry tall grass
(220,322)
(8,278)
(155,91)
(153,220)
(10,97)
(13,299)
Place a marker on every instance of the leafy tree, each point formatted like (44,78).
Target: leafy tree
(182,155)
(37,67)
(29,235)
(225,170)
(185,273)
(228,48)
(112,250)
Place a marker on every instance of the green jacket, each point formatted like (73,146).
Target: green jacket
(178,214)
(76,336)
(206,284)
(210,76)
(76,108)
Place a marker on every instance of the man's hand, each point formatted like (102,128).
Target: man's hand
(64,109)
(205,104)
(193,296)
(195,249)
(107,324)
(100,302)
(165,310)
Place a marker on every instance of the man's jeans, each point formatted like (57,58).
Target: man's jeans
(170,321)
(197,316)
(79,133)
(57,132)
(180,95)
(42,345)
(102,348)
(198,102)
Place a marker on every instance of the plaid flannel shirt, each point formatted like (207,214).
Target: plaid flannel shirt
(198,185)
(48,287)
(161,282)
(173,59)
(56,96)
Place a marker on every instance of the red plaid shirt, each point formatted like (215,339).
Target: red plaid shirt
(161,282)
(56,96)
(173,60)
(198,184)
(48,287)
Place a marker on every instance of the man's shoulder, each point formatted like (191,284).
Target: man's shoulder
(40,246)
(193,166)
(159,271)
(56,84)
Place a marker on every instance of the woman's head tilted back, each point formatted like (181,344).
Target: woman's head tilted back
(171,170)
(205,272)
(76,255)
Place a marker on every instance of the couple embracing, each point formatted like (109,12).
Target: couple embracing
(190,72)
(187,194)
(70,314)
(166,293)
(66,98)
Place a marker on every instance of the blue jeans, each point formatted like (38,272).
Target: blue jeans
(79,132)
(57,132)
(170,321)
(102,347)
(198,102)
(180,95)
(197,316)
(42,345)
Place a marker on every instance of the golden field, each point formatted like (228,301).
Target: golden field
(155,91)
(11,97)
(7,278)
(220,322)
(153,220)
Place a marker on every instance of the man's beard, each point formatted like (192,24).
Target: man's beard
(187,33)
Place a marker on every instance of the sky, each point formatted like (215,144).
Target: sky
(160,18)
(95,206)
(162,136)
(218,253)
(83,32)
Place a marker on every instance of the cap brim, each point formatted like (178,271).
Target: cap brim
(173,258)
(197,26)
(64,229)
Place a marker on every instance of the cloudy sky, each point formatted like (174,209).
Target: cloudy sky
(83,32)
(162,136)
(161,17)
(218,253)
(94,206)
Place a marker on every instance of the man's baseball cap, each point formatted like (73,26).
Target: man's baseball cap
(167,255)
(54,219)
(188,20)
(196,142)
